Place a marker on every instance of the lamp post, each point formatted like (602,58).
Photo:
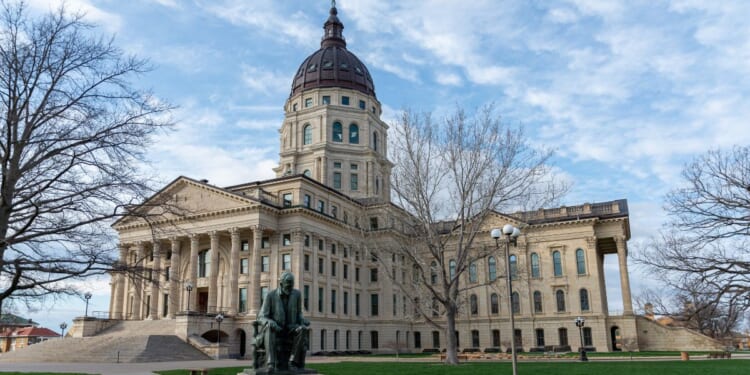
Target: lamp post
(511,234)
(219,319)
(87,296)
(63,325)
(189,288)
(580,322)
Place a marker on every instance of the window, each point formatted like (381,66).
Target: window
(562,335)
(306,262)
(244,266)
(584,294)
(306,297)
(344,100)
(354,181)
(356,274)
(286,239)
(537,301)
(307,134)
(417,340)
(374,339)
(534,265)
(337,165)
(580,262)
(348,339)
(321,206)
(373,304)
(326,99)
(334,210)
(518,337)
(539,337)
(362,104)
(323,339)
(356,304)
(513,267)
(353,134)
(321,266)
(452,268)
(560,298)
(433,273)
(204,264)
(472,273)
(308,102)
(335,339)
(474,304)
(294,107)
(307,201)
(375,141)
(337,180)
(494,304)
(338,131)
(373,223)
(333,301)
(333,268)
(307,240)
(587,338)
(286,261)
(557,263)
(320,300)
(436,339)
(166,273)
(516,304)
(265,266)
(492,268)
(307,173)
(320,244)
(263,294)
(243,300)
(474,339)
(244,246)
(165,305)
(346,303)
(346,271)
(265,243)
(395,301)
(373,275)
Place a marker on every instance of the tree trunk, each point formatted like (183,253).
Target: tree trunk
(451,351)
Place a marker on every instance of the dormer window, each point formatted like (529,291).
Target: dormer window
(327,64)
(312,68)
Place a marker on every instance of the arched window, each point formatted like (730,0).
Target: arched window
(584,299)
(338,132)
(557,263)
(580,262)
(494,305)
(452,268)
(492,265)
(473,273)
(513,267)
(515,303)
(537,301)
(375,141)
(433,273)
(560,298)
(474,304)
(354,134)
(307,173)
(534,265)
(307,134)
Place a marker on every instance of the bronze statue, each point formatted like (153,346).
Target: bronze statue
(281,330)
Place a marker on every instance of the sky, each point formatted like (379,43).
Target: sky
(625,92)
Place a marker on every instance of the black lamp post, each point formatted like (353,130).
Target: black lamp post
(580,322)
(87,296)
(511,233)
(63,325)
(189,288)
(219,319)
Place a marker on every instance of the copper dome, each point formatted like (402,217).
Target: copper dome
(333,65)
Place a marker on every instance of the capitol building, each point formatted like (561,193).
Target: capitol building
(228,245)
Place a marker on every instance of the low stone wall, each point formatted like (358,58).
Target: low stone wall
(654,336)
(90,326)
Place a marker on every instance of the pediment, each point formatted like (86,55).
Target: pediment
(498,220)
(185,197)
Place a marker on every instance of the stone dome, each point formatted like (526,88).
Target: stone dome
(333,65)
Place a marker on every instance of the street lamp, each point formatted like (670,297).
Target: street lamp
(87,296)
(63,325)
(219,319)
(189,288)
(511,234)
(580,322)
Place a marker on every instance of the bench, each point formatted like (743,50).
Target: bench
(198,371)
(461,357)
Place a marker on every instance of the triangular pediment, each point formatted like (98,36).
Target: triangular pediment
(498,220)
(185,197)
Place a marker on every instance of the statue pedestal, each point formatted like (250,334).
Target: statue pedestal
(249,371)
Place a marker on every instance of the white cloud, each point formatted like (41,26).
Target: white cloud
(448,79)
(109,21)
(263,81)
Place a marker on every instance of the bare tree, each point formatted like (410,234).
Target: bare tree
(450,176)
(74,131)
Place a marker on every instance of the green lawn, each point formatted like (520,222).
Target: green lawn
(723,367)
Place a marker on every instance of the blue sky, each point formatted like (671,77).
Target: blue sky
(626,92)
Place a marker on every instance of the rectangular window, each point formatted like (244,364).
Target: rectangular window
(374,305)
(307,201)
(320,244)
(265,243)
(395,302)
(321,206)
(337,164)
(166,274)
(334,211)
(333,268)
(436,339)
(165,305)
(287,197)
(417,340)
(286,261)
(308,102)
(518,336)
(333,302)
(373,223)
(346,303)
(346,271)
(333,248)
(587,339)
(354,181)
(244,245)
(243,300)
(540,338)
(244,266)
(496,338)
(474,339)
(306,297)
(362,104)
(320,300)
(286,239)
(373,275)
(356,304)
(321,265)
(326,99)
(337,180)
(307,262)
(356,274)
(263,294)
(374,339)
(265,264)
(307,240)
(344,100)
(354,167)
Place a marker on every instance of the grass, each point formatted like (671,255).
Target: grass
(724,367)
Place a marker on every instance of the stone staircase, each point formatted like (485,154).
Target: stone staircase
(128,341)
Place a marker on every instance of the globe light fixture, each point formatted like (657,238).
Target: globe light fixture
(511,235)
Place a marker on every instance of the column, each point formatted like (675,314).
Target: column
(255,270)
(297,258)
(234,267)
(213,292)
(117,311)
(155,278)
(193,272)
(175,287)
(138,281)
(622,258)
